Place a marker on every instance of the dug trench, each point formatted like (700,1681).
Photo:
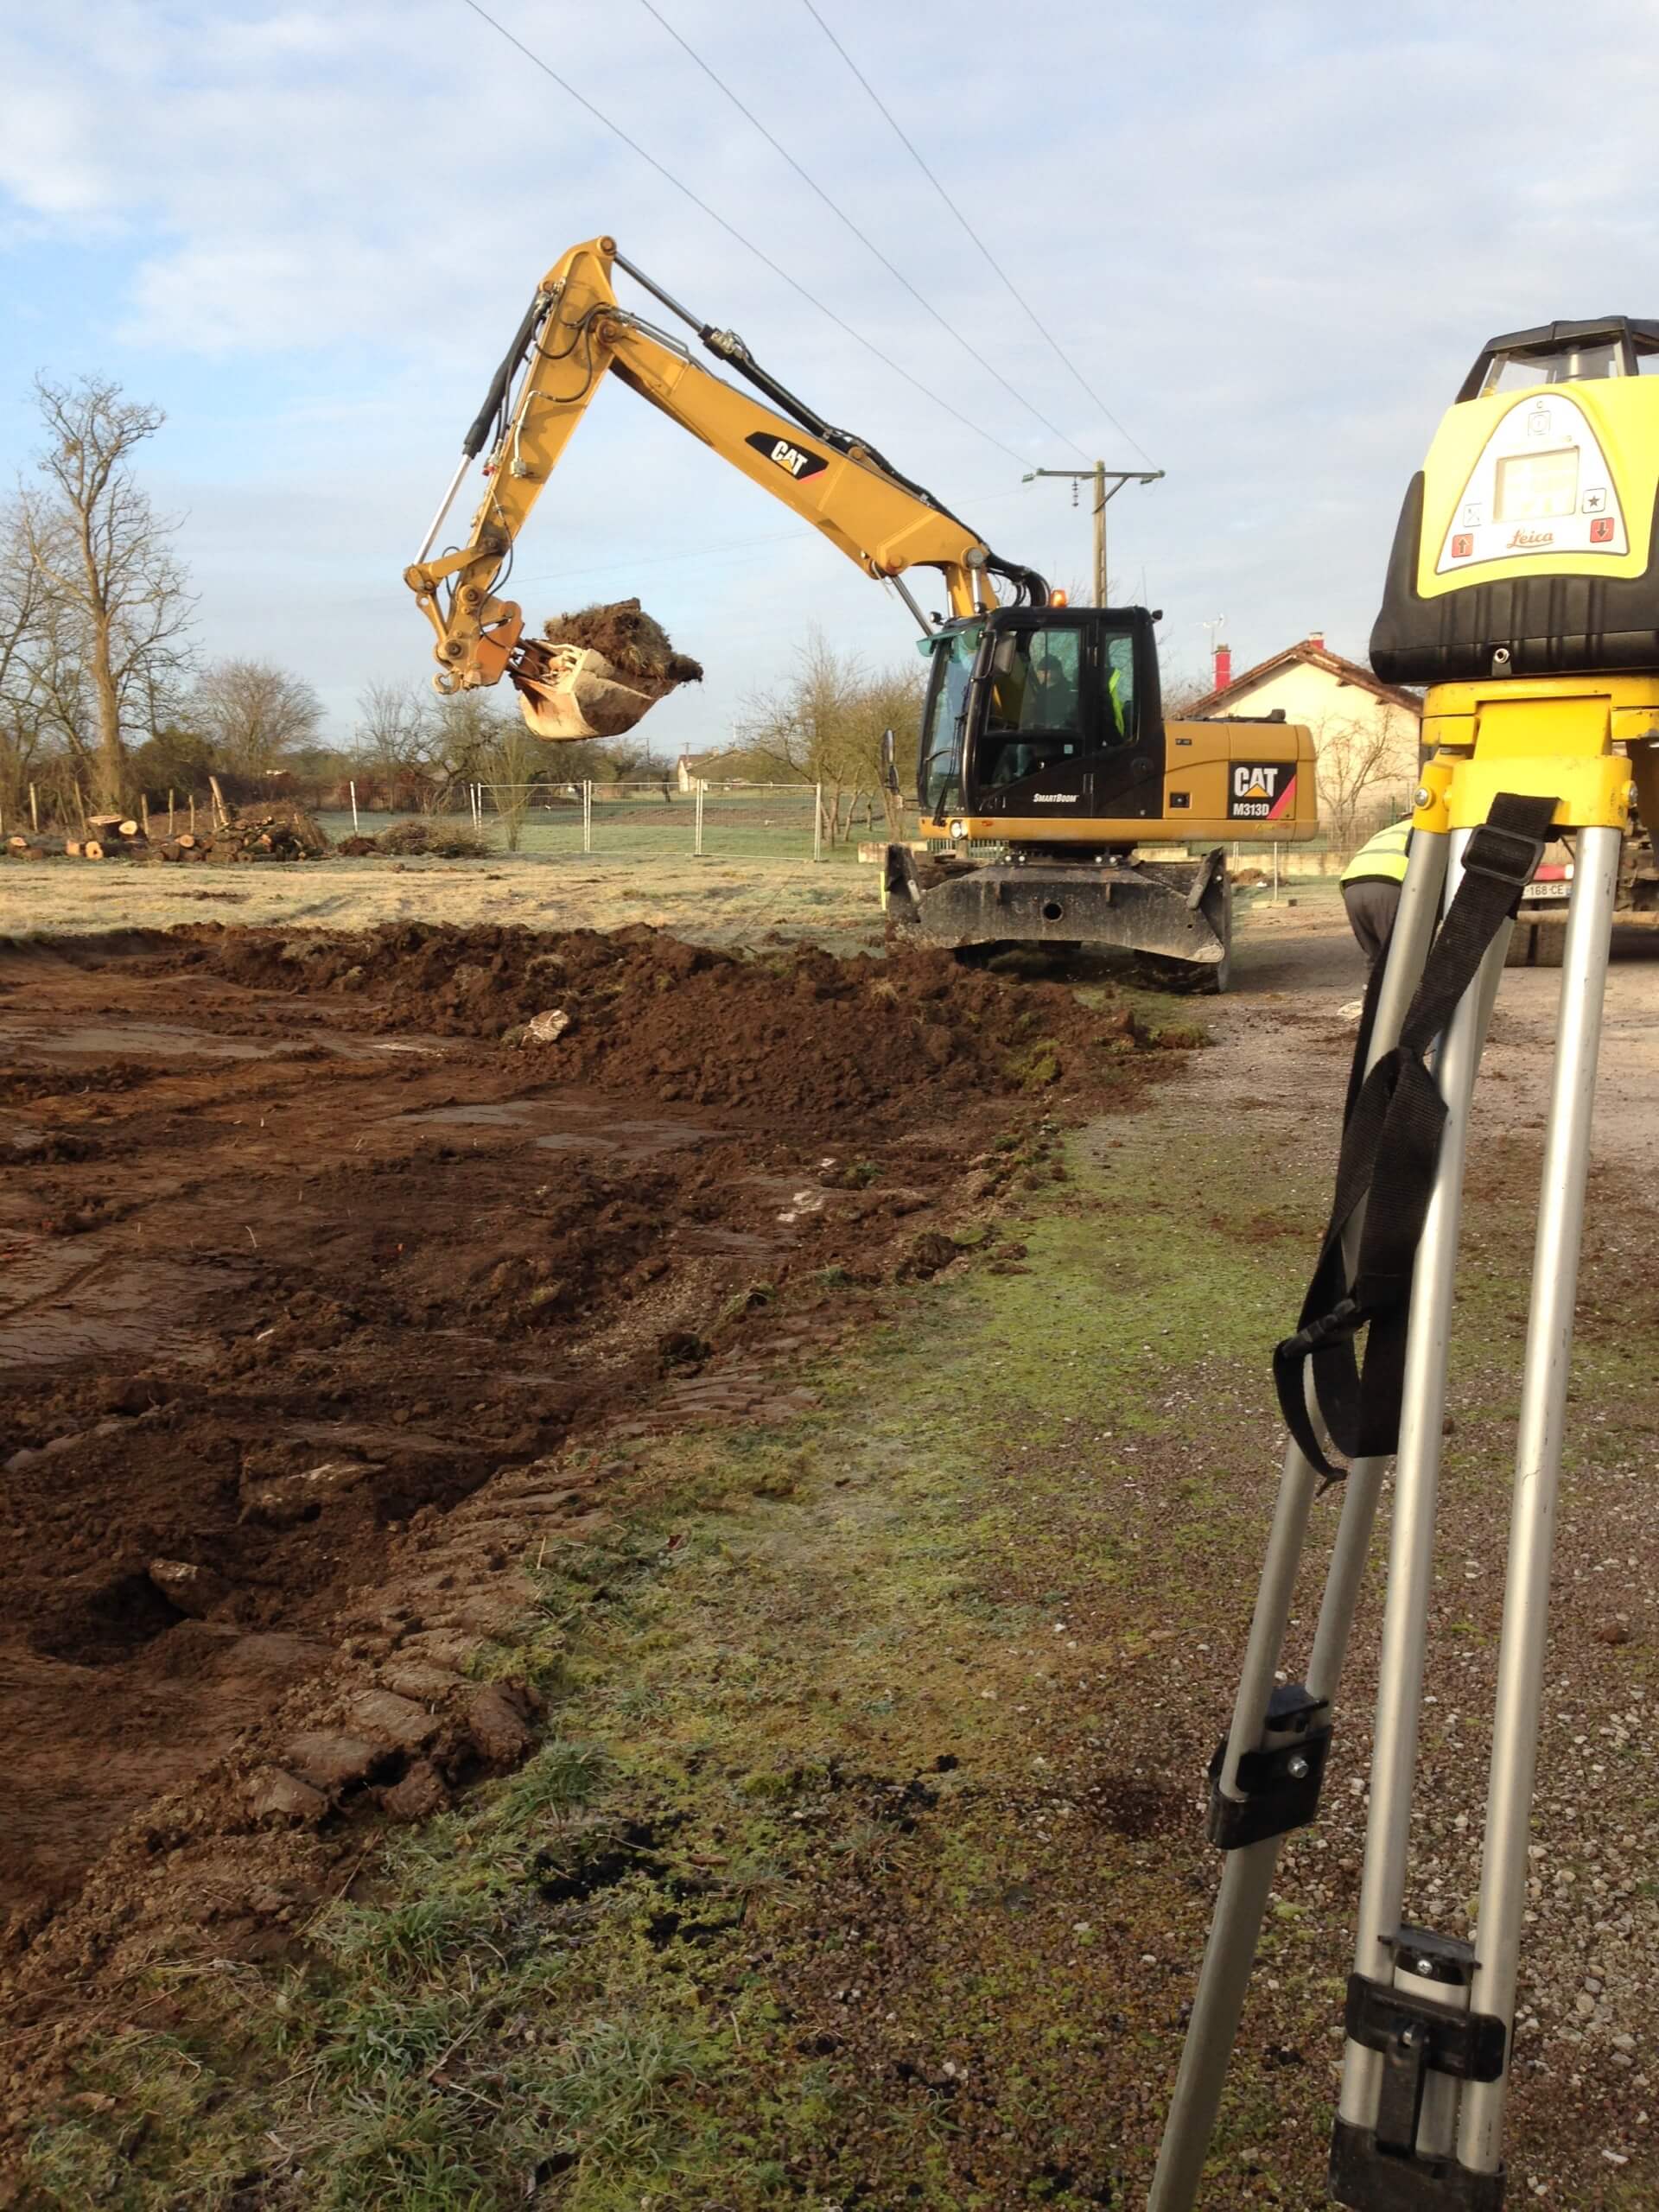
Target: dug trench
(318,1249)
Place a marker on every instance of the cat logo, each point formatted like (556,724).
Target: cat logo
(799,463)
(1261,792)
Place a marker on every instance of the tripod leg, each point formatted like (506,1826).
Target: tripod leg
(1246,1874)
(1410,1578)
(1537,1476)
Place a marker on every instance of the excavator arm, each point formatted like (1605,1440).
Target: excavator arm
(575,332)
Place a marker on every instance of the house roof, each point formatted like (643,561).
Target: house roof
(1309,652)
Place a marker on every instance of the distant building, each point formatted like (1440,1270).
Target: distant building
(1365,732)
(689,771)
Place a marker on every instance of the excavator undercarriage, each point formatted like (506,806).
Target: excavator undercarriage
(1166,909)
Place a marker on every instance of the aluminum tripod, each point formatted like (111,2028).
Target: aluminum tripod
(1429,2018)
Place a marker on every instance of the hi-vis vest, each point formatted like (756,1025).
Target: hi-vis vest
(1382,858)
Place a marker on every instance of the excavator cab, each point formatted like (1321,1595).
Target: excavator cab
(1044,713)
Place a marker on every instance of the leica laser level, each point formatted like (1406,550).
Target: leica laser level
(1522,589)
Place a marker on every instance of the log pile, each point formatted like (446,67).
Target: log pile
(108,837)
(272,831)
(276,830)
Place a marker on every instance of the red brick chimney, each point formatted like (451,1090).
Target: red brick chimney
(1224,659)
(1316,638)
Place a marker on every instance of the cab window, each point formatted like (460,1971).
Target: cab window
(1039,691)
(1117,723)
(953,655)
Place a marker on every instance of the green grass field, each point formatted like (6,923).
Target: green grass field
(768,823)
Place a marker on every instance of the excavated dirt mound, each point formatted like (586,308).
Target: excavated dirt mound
(636,645)
(802,1036)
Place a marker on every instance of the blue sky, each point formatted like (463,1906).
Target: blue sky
(1273,238)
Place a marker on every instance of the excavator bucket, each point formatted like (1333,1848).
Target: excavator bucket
(575,692)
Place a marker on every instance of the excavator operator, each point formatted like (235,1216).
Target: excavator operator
(1052,702)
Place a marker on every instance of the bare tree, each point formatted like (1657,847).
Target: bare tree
(510,764)
(1359,762)
(421,747)
(1181,691)
(253,713)
(465,734)
(21,611)
(392,736)
(102,550)
(825,726)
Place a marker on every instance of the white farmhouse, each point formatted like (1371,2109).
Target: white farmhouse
(1365,732)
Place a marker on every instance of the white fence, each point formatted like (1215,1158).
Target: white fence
(641,820)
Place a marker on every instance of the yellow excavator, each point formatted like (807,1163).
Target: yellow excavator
(1042,737)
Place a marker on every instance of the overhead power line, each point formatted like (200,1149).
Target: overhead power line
(732,231)
(1014,292)
(863,237)
(731,548)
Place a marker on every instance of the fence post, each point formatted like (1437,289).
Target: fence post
(817,822)
(696,837)
(34,808)
(588,817)
(355,824)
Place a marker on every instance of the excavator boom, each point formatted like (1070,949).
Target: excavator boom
(575,332)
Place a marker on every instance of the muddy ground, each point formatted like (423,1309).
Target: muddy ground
(306,1238)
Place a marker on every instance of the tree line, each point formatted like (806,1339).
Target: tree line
(106,695)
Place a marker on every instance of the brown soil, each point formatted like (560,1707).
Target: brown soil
(310,1262)
(800,1035)
(637,647)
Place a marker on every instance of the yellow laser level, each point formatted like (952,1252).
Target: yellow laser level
(1527,543)
(1522,591)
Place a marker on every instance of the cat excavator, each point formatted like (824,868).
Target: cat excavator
(1042,738)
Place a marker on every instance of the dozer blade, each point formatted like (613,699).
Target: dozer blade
(1177,911)
(573,691)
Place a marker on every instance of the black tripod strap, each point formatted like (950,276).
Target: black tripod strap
(1390,1149)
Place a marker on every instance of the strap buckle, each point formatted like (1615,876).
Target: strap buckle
(1344,1320)
(1507,855)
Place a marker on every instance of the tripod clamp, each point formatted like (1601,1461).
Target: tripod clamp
(1281,1779)
(1417,2036)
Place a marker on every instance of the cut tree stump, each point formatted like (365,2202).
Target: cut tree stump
(91,850)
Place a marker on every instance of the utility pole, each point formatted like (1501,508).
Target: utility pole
(1099,476)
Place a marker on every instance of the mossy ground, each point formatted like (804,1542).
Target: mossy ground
(862,1863)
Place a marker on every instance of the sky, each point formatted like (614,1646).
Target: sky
(1272,239)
